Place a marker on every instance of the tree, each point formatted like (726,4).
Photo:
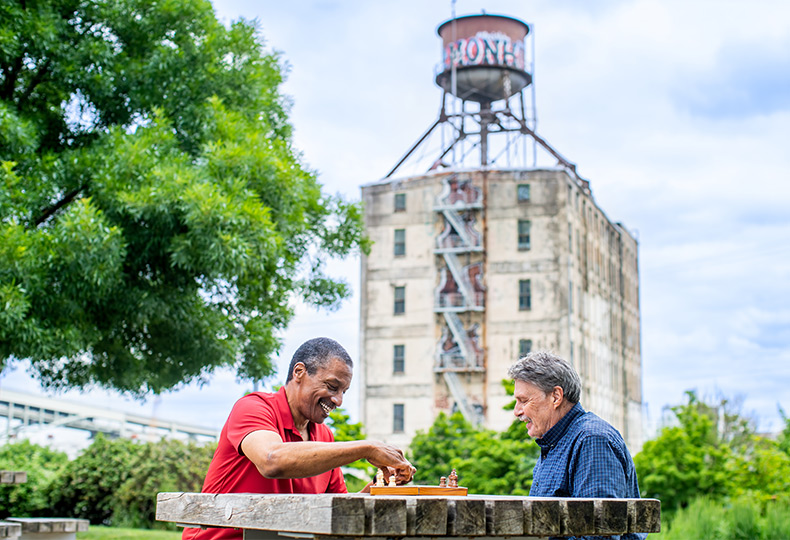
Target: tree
(684,461)
(762,471)
(155,219)
(784,436)
(360,472)
(432,452)
(486,461)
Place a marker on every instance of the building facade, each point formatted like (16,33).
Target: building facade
(471,269)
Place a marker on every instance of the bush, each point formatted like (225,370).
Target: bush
(487,462)
(359,473)
(776,525)
(42,465)
(702,519)
(744,518)
(86,488)
(744,521)
(168,465)
(115,482)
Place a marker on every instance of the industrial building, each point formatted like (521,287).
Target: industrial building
(476,261)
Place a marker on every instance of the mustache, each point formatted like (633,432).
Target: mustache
(524,418)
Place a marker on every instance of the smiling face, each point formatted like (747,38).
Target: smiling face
(313,397)
(539,410)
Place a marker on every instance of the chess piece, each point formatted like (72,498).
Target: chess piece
(443,481)
(453,479)
(392,481)
(380,478)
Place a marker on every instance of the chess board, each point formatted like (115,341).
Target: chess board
(418,490)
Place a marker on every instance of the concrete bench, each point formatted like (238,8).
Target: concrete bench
(13,477)
(12,531)
(49,528)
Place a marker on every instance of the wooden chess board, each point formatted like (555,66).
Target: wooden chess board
(418,490)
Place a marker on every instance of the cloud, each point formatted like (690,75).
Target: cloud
(746,79)
(677,111)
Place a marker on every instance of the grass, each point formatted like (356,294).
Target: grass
(743,518)
(97,532)
(703,519)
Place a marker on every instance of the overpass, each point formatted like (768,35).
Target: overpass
(41,411)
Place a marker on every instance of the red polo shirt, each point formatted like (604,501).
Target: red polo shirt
(231,472)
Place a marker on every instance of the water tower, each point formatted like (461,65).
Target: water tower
(487,245)
(483,58)
(484,73)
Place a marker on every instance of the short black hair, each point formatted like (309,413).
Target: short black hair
(316,353)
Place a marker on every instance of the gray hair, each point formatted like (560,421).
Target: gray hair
(546,370)
(316,353)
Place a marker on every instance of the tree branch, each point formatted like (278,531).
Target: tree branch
(48,213)
(35,81)
(7,92)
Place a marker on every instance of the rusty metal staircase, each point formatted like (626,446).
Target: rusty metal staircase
(460,290)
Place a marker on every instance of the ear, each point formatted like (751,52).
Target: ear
(557,396)
(300,372)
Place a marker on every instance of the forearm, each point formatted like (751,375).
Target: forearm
(304,459)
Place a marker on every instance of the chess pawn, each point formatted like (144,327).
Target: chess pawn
(380,478)
(392,481)
(453,480)
(443,481)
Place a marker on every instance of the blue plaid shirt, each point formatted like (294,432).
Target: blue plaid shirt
(584,456)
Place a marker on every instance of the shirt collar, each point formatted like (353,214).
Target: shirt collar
(281,399)
(553,436)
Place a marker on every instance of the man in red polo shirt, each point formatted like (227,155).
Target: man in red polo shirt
(277,443)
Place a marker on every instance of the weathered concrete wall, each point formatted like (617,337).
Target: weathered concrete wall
(583,272)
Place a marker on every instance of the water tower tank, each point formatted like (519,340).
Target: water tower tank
(487,52)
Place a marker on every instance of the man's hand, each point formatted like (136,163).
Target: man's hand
(391,461)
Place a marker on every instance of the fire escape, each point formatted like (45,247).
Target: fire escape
(460,290)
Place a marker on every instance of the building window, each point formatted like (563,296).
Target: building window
(400,243)
(523,234)
(398,364)
(397,418)
(570,237)
(524,295)
(400,300)
(524,347)
(522,192)
(400,202)
(570,296)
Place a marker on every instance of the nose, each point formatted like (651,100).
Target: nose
(337,400)
(517,409)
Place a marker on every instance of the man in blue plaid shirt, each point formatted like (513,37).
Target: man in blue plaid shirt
(581,455)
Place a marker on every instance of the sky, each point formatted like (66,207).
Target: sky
(676,111)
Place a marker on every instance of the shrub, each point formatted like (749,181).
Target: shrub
(776,525)
(702,519)
(115,482)
(168,465)
(86,488)
(42,465)
(742,518)
(486,461)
